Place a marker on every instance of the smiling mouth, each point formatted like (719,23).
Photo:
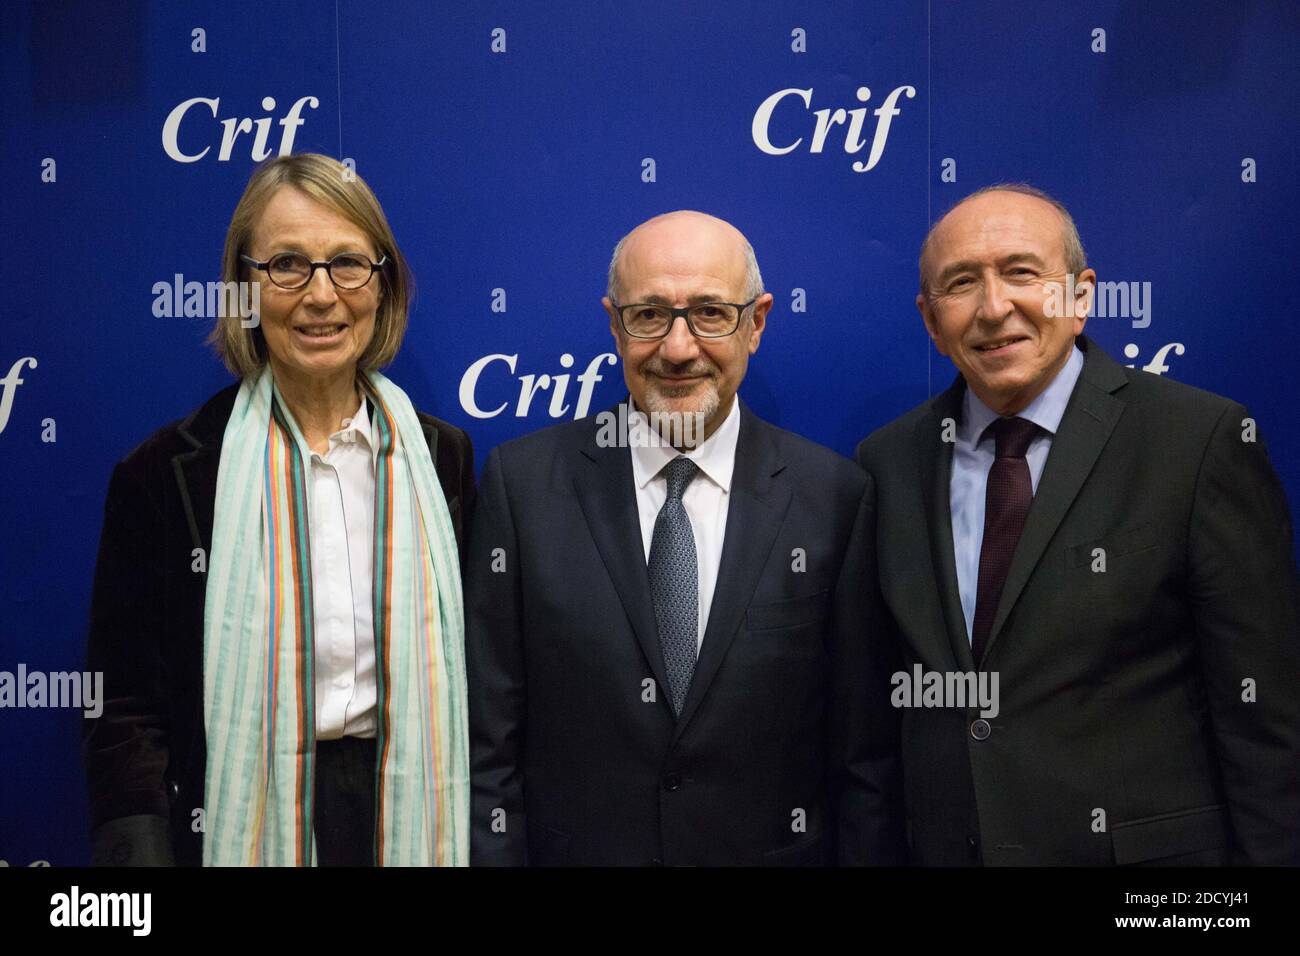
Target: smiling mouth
(319,331)
(1000,344)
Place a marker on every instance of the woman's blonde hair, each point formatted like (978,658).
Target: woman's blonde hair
(329,182)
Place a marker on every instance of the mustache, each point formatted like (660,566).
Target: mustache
(657,366)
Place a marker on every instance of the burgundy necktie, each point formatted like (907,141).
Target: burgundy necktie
(1006,505)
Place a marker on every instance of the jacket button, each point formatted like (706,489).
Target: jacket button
(656,862)
(673,781)
(173,789)
(980,729)
(973,845)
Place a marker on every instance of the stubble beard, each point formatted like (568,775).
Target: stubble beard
(661,400)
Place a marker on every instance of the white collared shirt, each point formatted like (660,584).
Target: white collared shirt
(342,484)
(705,499)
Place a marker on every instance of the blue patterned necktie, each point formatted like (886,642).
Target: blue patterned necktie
(674,582)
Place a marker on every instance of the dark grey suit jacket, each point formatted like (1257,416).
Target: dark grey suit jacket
(770,762)
(1150,711)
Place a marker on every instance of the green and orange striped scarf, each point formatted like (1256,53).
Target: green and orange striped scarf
(258,686)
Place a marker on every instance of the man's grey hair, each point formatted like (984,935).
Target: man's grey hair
(753,278)
(1075,260)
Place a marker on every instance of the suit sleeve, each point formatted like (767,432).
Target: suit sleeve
(468,490)
(125,748)
(495,662)
(1243,585)
(863,752)
(454,464)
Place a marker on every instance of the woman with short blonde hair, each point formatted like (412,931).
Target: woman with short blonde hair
(277,606)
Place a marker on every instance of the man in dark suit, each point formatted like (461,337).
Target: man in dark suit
(1114,547)
(665,644)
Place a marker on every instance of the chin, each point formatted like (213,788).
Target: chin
(697,401)
(318,366)
(328,364)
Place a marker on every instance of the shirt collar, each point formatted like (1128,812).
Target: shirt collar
(356,428)
(715,456)
(1045,411)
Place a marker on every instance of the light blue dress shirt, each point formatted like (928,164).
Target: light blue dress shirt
(972,459)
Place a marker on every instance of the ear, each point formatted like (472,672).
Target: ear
(614,329)
(1085,287)
(931,325)
(758,320)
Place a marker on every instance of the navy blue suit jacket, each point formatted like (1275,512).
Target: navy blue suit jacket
(577,757)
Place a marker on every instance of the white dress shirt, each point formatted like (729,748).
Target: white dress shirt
(342,487)
(705,498)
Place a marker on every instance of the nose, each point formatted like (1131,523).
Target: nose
(320,289)
(994,305)
(679,346)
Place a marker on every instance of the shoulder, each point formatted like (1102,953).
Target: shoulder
(146,477)
(894,440)
(1188,431)
(1171,413)
(813,462)
(545,443)
(204,425)
(448,435)
(1168,398)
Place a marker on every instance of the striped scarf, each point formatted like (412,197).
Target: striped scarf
(258,652)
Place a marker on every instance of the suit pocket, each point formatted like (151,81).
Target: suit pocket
(808,851)
(547,846)
(1170,834)
(1143,537)
(793,612)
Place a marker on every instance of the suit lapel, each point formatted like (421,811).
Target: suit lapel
(430,439)
(756,509)
(196,470)
(607,495)
(1089,419)
(196,483)
(936,474)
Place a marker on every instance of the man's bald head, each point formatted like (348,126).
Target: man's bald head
(689,236)
(1072,245)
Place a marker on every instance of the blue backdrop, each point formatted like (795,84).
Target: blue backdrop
(509,144)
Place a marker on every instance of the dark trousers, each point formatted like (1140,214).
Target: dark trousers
(344,817)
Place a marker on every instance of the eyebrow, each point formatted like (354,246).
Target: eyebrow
(294,245)
(691,300)
(970,265)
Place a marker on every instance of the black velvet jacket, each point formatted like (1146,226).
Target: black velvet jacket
(145,755)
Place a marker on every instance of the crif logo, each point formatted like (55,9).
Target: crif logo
(827,118)
(234,126)
(474,394)
(9,384)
